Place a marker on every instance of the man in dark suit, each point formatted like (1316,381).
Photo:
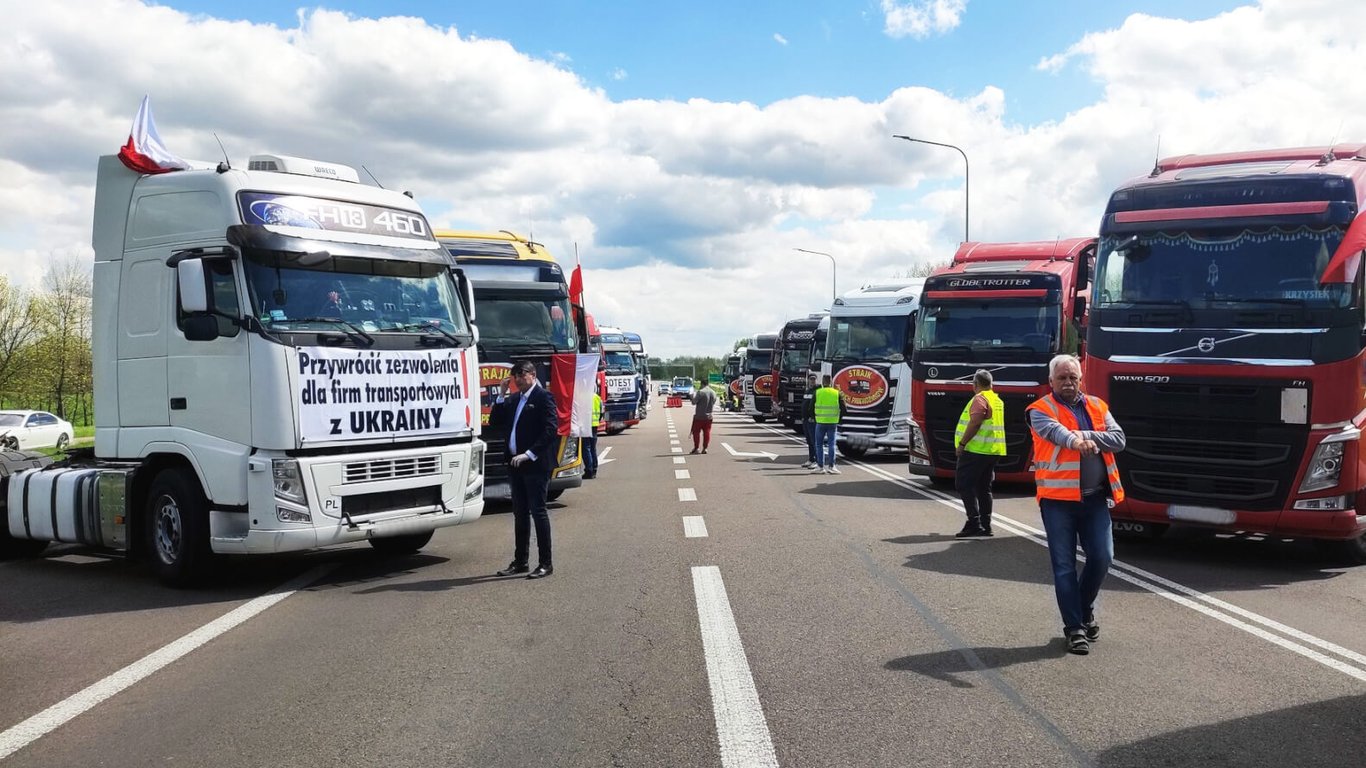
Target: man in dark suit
(531,444)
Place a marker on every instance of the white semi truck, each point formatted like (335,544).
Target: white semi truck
(283,360)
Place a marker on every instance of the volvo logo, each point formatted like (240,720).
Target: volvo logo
(934,373)
(1206,344)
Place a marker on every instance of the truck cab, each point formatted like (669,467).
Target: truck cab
(1007,308)
(624,381)
(522,300)
(867,356)
(758,376)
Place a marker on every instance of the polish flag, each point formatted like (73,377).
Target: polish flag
(572,381)
(144,151)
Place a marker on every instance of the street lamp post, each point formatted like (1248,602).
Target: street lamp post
(966,196)
(833,289)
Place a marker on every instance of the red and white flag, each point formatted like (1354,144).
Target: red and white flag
(144,151)
(573,380)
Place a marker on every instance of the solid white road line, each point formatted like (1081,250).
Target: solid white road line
(681,474)
(19,736)
(1180,594)
(680,460)
(687,494)
(694,527)
(1177,593)
(740,725)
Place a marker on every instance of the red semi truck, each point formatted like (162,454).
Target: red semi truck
(1005,307)
(1226,332)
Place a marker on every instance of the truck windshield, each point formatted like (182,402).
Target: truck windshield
(867,338)
(982,326)
(291,290)
(1208,269)
(620,362)
(796,360)
(512,321)
(759,362)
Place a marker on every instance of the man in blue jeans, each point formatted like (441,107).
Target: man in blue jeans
(828,407)
(1076,482)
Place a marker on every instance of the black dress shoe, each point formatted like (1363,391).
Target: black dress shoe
(513,569)
(541,572)
(970,531)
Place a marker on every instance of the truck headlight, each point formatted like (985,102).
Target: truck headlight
(918,441)
(1325,467)
(477,460)
(289,483)
(570,453)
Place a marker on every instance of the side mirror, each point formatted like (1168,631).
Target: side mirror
(466,292)
(200,327)
(194,287)
(1079,310)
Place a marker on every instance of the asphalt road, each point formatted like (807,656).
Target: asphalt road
(821,621)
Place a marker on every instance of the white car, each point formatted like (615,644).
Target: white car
(26,430)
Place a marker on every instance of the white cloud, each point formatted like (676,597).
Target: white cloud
(921,18)
(685,212)
(779,39)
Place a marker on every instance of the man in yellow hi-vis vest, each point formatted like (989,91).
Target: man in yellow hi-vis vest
(828,408)
(980,442)
(590,443)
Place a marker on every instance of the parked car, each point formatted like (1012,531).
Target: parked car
(665,387)
(26,430)
(683,387)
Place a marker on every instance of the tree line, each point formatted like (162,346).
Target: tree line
(45,353)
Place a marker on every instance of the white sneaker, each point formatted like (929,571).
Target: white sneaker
(817,470)
(833,470)
(826,470)
(809,465)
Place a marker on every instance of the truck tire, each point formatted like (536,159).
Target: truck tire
(945,483)
(401,545)
(15,549)
(177,528)
(555,494)
(851,452)
(1345,551)
(760,419)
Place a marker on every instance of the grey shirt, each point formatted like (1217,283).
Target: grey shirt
(1110,440)
(703,402)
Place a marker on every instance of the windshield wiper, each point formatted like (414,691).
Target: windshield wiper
(355,330)
(432,330)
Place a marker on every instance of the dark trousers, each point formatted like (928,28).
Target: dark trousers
(528,505)
(973,481)
(809,426)
(590,454)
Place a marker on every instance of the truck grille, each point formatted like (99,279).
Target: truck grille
(941,419)
(391,469)
(1208,442)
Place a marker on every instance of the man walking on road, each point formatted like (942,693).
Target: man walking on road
(534,428)
(829,407)
(703,403)
(1076,481)
(980,442)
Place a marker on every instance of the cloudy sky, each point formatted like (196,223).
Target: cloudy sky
(685,149)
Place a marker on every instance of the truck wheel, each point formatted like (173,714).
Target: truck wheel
(852,452)
(177,528)
(760,419)
(14,549)
(1346,551)
(401,545)
(946,483)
